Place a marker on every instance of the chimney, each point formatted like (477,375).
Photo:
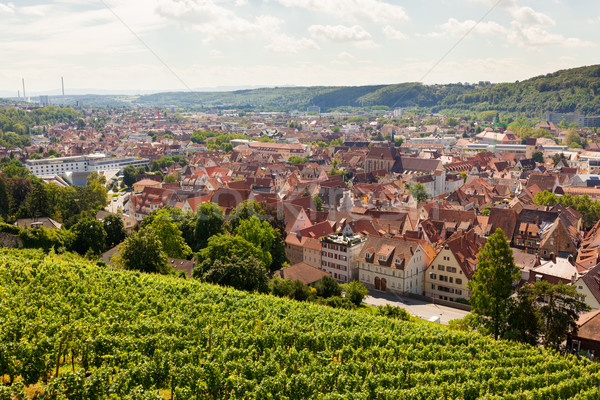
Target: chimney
(573,279)
(411,250)
(553,257)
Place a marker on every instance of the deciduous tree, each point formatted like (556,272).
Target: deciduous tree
(491,285)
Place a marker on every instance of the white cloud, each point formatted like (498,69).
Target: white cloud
(392,33)
(281,43)
(339,33)
(527,16)
(345,55)
(534,36)
(7,8)
(458,28)
(353,10)
(241,2)
(213,20)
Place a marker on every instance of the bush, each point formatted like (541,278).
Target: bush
(328,287)
(337,302)
(356,292)
(44,238)
(12,229)
(287,288)
(393,312)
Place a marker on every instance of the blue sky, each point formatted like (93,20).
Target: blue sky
(215,43)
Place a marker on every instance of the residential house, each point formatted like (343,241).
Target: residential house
(339,256)
(447,276)
(395,265)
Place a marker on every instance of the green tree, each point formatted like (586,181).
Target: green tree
(4,197)
(418,191)
(209,222)
(451,122)
(393,312)
(170,178)
(538,156)
(223,247)
(491,285)
(245,210)
(89,235)
(36,203)
(115,230)
(523,317)
(297,160)
(129,176)
(558,157)
(559,310)
(328,287)
(318,202)
(356,292)
(260,234)
(295,290)
(170,235)
(573,137)
(142,251)
(246,273)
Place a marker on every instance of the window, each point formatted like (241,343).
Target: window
(440,267)
(458,281)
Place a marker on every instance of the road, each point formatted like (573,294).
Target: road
(418,308)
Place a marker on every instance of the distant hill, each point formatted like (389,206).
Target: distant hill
(576,89)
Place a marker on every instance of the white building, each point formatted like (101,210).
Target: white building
(78,164)
(339,256)
(394,265)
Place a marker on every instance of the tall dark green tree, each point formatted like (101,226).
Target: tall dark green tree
(209,222)
(142,251)
(129,176)
(523,318)
(492,283)
(4,197)
(245,210)
(560,306)
(115,230)
(246,273)
(89,235)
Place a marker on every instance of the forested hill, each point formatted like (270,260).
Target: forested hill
(325,97)
(72,330)
(576,89)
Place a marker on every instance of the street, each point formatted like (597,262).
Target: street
(415,307)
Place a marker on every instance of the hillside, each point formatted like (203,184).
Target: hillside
(568,90)
(119,334)
(576,89)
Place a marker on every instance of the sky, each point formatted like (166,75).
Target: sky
(164,45)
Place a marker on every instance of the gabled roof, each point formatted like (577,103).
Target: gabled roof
(302,272)
(589,326)
(592,281)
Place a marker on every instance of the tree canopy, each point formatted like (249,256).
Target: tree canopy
(492,283)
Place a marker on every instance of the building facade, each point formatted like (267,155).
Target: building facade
(339,256)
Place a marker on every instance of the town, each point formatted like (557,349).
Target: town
(398,201)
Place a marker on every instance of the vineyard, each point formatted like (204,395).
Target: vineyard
(72,330)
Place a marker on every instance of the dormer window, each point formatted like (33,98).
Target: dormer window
(367,255)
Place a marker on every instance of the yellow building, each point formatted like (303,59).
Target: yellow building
(447,276)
